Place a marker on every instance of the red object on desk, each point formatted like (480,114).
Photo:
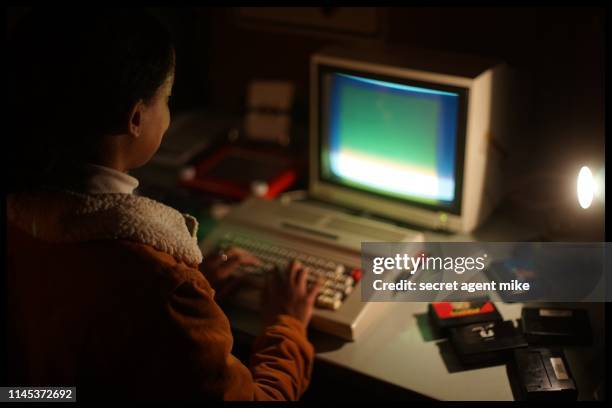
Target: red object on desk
(231,171)
(446,310)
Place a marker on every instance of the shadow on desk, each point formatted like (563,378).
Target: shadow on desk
(427,330)
(452,362)
(331,382)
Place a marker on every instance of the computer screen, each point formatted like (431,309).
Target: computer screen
(412,136)
(394,138)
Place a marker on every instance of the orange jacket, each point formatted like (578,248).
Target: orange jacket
(105,295)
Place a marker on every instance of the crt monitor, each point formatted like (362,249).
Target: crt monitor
(407,141)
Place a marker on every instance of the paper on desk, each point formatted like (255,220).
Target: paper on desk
(268,127)
(275,95)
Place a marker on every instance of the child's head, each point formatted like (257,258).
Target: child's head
(88,87)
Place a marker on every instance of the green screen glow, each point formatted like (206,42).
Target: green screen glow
(390,139)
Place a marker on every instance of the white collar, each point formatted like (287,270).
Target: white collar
(104,180)
(88,178)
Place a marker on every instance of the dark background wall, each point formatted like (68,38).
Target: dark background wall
(561,50)
(557,52)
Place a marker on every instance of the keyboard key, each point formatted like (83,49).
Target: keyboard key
(330,275)
(327,302)
(332,293)
(320,262)
(340,287)
(329,284)
(328,292)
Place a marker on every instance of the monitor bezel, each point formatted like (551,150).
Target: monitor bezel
(405,79)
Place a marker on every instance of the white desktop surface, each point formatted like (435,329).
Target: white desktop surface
(394,350)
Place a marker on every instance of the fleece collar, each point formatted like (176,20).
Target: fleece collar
(68,217)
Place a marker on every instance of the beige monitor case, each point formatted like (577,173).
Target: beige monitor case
(486,128)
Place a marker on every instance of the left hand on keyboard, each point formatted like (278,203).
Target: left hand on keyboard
(218,268)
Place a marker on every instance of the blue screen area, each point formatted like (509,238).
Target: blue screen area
(390,138)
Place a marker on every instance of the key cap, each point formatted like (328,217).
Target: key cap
(330,275)
(340,287)
(320,262)
(332,293)
(329,283)
(327,302)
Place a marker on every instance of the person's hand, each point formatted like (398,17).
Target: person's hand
(219,268)
(287,293)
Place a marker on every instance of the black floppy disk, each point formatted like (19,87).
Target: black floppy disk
(486,343)
(544,375)
(562,326)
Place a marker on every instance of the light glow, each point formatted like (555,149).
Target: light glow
(600,185)
(390,176)
(586,187)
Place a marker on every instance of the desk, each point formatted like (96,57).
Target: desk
(398,351)
(395,351)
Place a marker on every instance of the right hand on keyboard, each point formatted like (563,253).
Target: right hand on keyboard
(287,292)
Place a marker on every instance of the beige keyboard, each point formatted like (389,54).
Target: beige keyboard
(338,281)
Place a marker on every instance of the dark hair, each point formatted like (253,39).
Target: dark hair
(75,78)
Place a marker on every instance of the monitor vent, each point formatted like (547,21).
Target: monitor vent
(297,215)
(339,225)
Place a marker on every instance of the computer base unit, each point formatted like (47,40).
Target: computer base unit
(327,241)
